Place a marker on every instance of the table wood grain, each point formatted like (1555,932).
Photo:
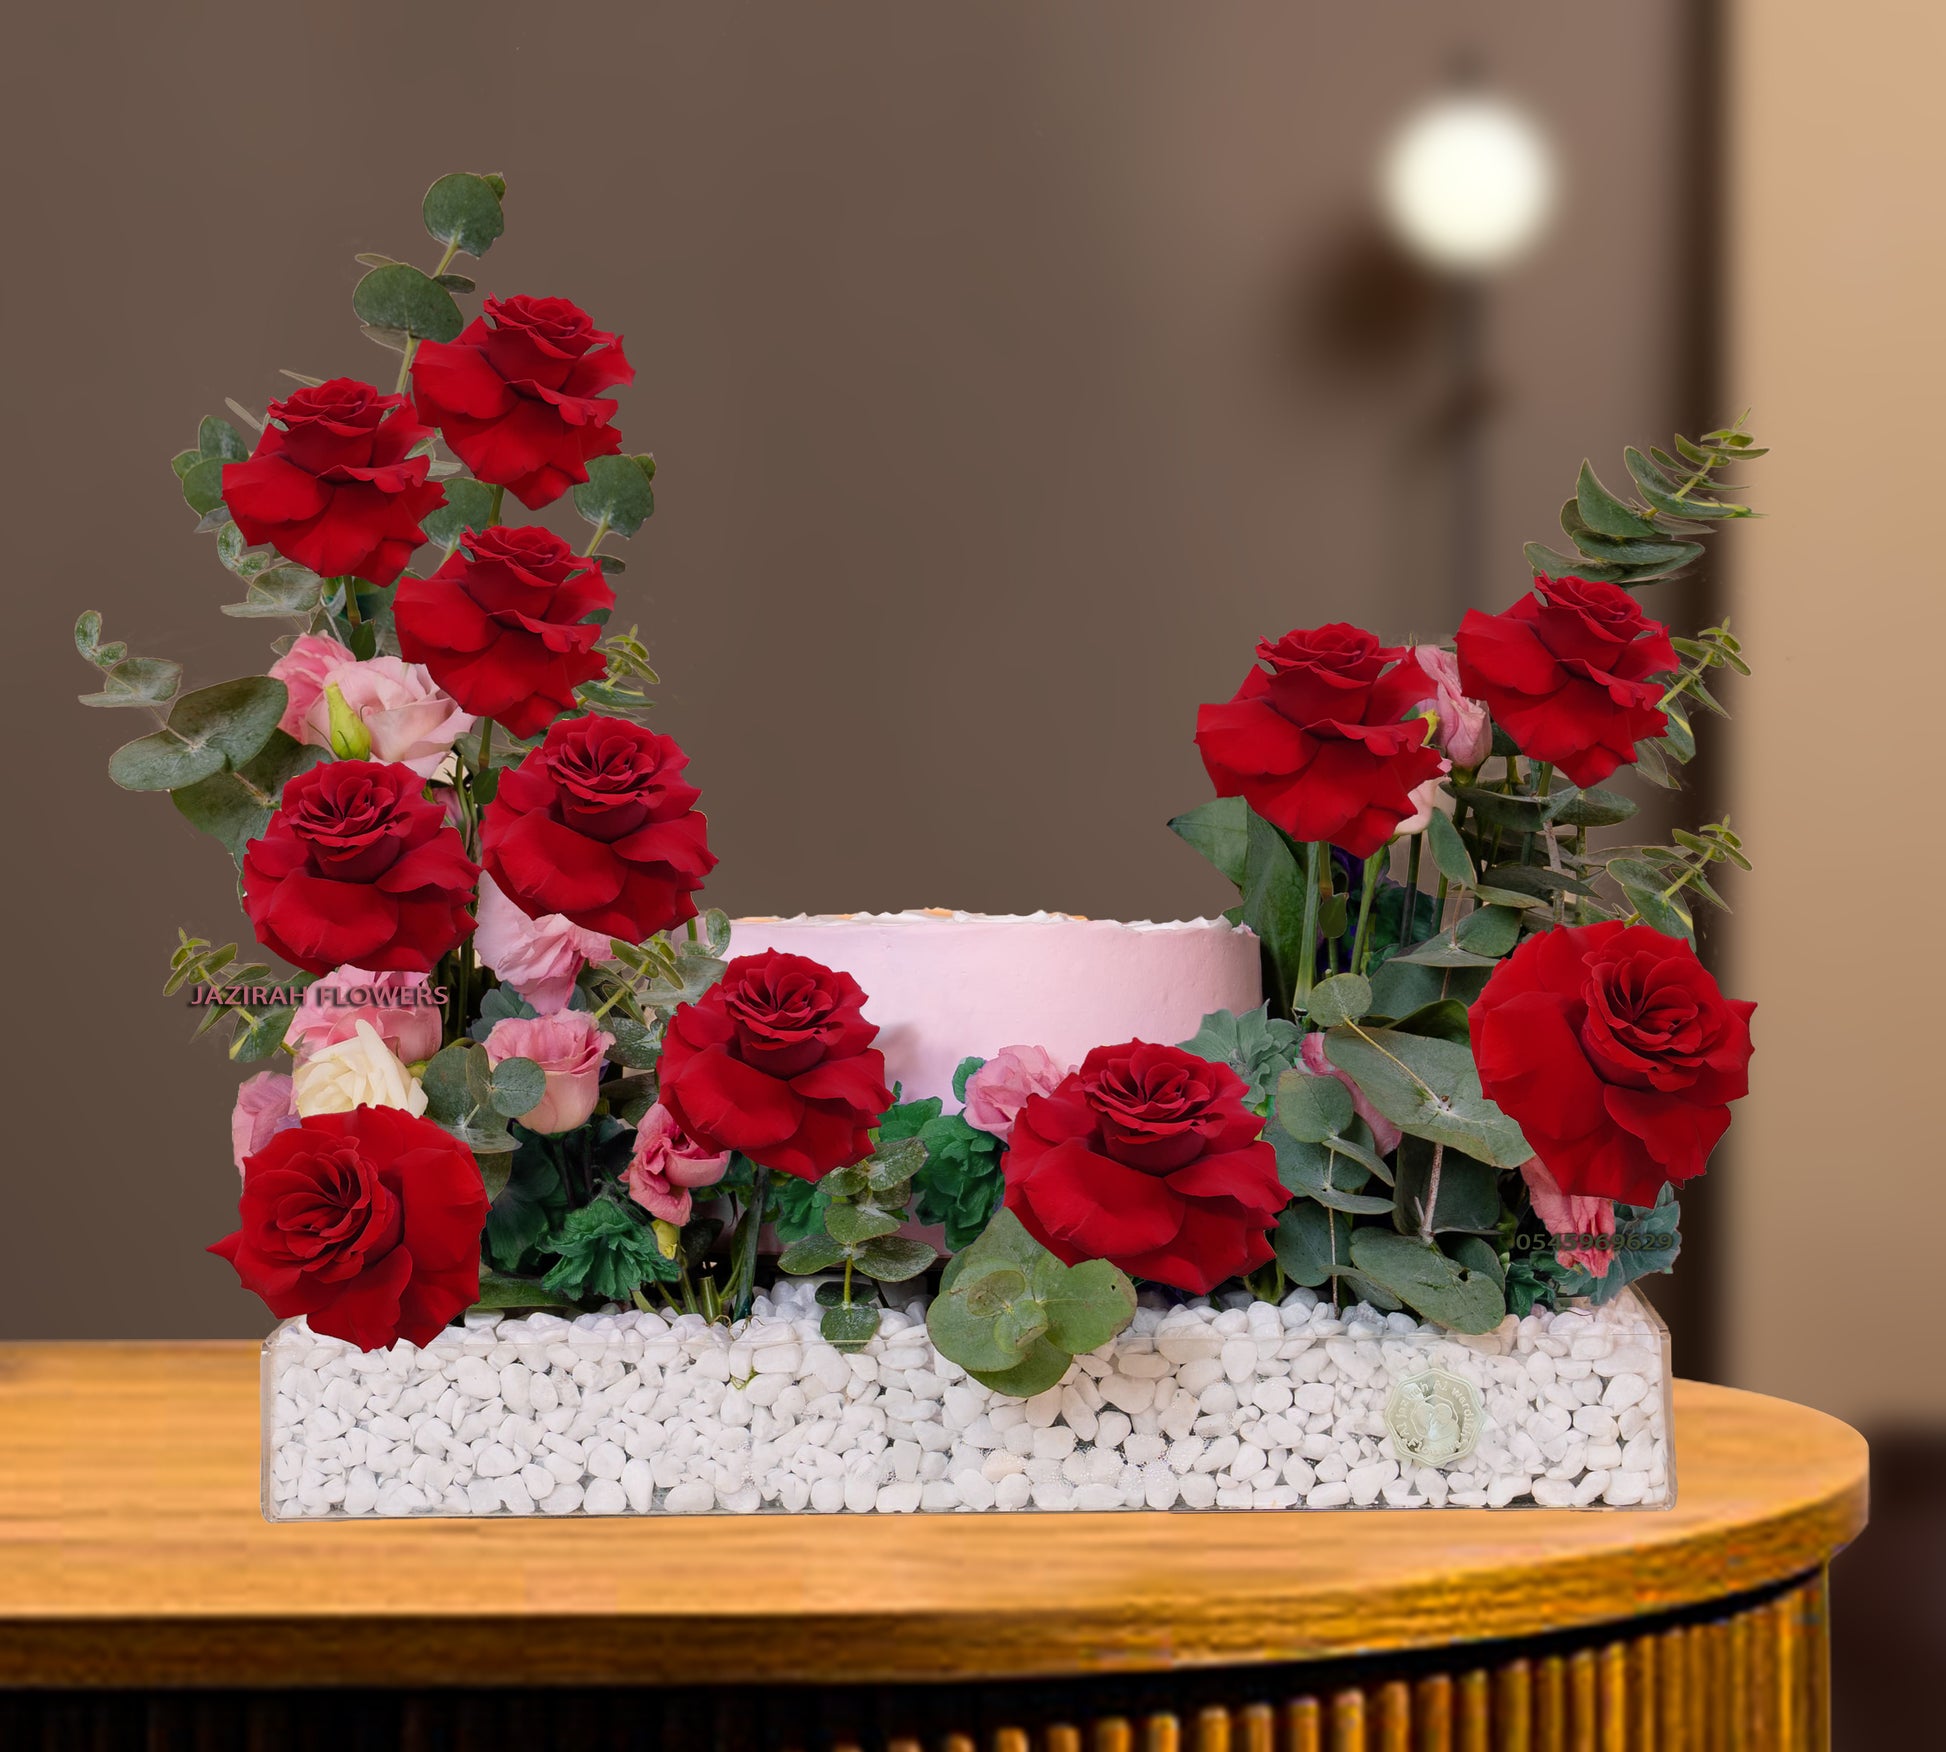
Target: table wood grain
(133,1553)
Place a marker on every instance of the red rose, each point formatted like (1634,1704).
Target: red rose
(367,1223)
(503,625)
(598,824)
(776,1060)
(1612,1049)
(517,396)
(1321,744)
(356,867)
(1148,1158)
(331,484)
(1564,672)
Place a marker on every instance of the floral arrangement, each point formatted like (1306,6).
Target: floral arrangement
(512,1065)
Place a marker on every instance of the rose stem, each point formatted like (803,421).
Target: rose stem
(1409,907)
(744,1275)
(1360,943)
(1307,963)
(1432,1194)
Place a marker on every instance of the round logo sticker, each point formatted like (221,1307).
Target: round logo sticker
(1434,1417)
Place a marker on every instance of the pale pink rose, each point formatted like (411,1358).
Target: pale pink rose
(1000,1088)
(398,1005)
(265,1105)
(568,1047)
(1570,1214)
(303,669)
(1425,799)
(408,717)
(1462,731)
(1385,1135)
(665,1164)
(539,957)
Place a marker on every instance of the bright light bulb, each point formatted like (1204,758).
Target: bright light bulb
(1468,184)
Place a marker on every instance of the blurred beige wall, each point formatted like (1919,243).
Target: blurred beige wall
(1836,1238)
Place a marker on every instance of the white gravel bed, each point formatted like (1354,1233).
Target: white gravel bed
(1250,1406)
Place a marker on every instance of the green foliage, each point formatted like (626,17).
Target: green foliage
(215,729)
(398,305)
(257,1032)
(1430,1088)
(623,691)
(527,1208)
(862,1207)
(1428,1281)
(1259,1047)
(465,1096)
(1620,542)
(649,981)
(235,806)
(469,505)
(1646,1240)
(959,1185)
(1344,997)
(604,1251)
(1219,830)
(500,1293)
(1659,882)
(125,680)
(1468,1198)
(463,212)
(617,495)
(1014,1317)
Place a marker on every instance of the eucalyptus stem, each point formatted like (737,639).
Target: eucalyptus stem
(1432,1193)
(1307,963)
(743,1276)
(1409,911)
(1361,940)
(595,540)
(1543,777)
(405,364)
(499,498)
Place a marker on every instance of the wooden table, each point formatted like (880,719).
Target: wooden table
(134,1563)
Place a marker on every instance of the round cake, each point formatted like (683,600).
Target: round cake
(943,986)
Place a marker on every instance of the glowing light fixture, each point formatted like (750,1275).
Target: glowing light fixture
(1468,184)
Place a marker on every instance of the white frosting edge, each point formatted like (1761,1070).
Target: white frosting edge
(921,916)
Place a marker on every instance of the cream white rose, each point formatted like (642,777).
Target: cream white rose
(360,1072)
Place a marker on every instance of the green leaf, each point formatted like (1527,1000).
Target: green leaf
(849,1328)
(960,1185)
(518,1086)
(1087,1306)
(291,592)
(1478,1254)
(235,807)
(1602,512)
(399,301)
(1400,987)
(259,1039)
(202,486)
(847,1182)
(496,1170)
(499,1292)
(894,1162)
(1449,851)
(464,210)
(892,1259)
(136,681)
(1313,1244)
(1273,902)
(1219,830)
(851,1224)
(1042,1367)
(813,1253)
(458,1082)
(530,1204)
(1469,1191)
(1427,1281)
(1313,1108)
(1490,931)
(1430,1088)
(208,731)
(469,505)
(618,489)
(1329,1174)
(1344,997)
(1259,1047)
(605,1253)
(217,440)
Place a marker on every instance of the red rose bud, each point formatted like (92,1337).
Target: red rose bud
(503,625)
(598,825)
(1147,1157)
(776,1060)
(332,485)
(355,866)
(1324,742)
(1565,673)
(1613,1050)
(367,1223)
(517,396)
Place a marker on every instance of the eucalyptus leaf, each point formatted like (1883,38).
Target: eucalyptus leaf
(1312,1244)
(1429,1282)
(1313,1108)
(519,1085)
(235,806)
(1344,997)
(1219,830)
(1449,851)
(1042,1368)
(1430,1088)
(849,1327)
(464,210)
(216,438)
(400,300)
(851,1224)
(812,1254)
(499,1291)
(469,505)
(891,1259)
(617,490)
(1469,1191)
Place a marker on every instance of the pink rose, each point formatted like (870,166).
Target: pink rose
(398,1005)
(302,669)
(1425,799)
(265,1105)
(1570,1214)
(999,1089)
(1385,1135)
(666,1163)
(568,1047)
(407,717)
(1461,729)
(539,957)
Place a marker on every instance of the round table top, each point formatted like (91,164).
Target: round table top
(132,1546)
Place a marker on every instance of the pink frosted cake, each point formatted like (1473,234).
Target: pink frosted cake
(948,985)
